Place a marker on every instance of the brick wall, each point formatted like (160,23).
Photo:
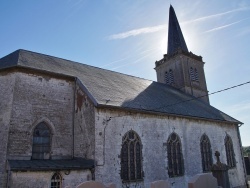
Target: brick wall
(7,81)
(38,98)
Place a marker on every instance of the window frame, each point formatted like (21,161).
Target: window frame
(40,129)
(55,180)
(206,153)
(175,159)
(126,162)
(230,155)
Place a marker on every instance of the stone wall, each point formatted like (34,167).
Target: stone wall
(37,98)
(42,179)
(7,81)
(154,131)
(84,125)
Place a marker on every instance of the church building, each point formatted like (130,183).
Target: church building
(63,122)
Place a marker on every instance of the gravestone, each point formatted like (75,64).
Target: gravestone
(205,180)
(160,184)
(220,172)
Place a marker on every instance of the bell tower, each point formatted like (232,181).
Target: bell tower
(179,67)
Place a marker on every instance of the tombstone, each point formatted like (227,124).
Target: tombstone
(205,180)
(160,184)
(220,172)
(91,184)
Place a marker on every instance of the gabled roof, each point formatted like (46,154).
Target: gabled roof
(175,37)
(111,89)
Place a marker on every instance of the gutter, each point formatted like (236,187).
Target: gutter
(165,114)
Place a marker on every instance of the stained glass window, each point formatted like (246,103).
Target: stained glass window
(131,158)
(175,157)
(206,153)
(230,152)
(41,142)
(56,181)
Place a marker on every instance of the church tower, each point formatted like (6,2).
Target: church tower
(179,67)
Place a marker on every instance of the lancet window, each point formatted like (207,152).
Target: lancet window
(56,181)
(175,157)
(206,153)
(41,142)
(230,152)
(131,157)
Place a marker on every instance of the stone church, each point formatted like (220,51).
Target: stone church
(63,122)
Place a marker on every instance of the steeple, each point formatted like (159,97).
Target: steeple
(180,68)
(175,37)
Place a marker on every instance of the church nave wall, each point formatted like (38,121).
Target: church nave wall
(154,131)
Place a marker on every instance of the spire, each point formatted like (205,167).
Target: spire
(175,37)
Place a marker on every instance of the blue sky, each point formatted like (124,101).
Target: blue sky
(129,36)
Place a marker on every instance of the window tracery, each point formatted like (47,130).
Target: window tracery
(131,157)
(206,153)
(175,157)
(41,142)
(230,152)
(56,181)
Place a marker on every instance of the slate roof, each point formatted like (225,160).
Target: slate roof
(175,36)
(111,89)
(37,165)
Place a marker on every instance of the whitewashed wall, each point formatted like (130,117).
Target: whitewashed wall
(154,131)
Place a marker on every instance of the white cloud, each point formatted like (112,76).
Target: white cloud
(136,32)
(217,15)
(224,26)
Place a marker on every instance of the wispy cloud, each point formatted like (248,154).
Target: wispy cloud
(144,30)
(134,62)
(115,62)
(224,26)
(136,32)
(217,15)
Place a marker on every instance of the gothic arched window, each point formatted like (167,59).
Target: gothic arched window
(206,153)
(230,152)
(175,158)
(131,157)
(196,75)
(56,181)
(166,78)
(171,76)
(41,142)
